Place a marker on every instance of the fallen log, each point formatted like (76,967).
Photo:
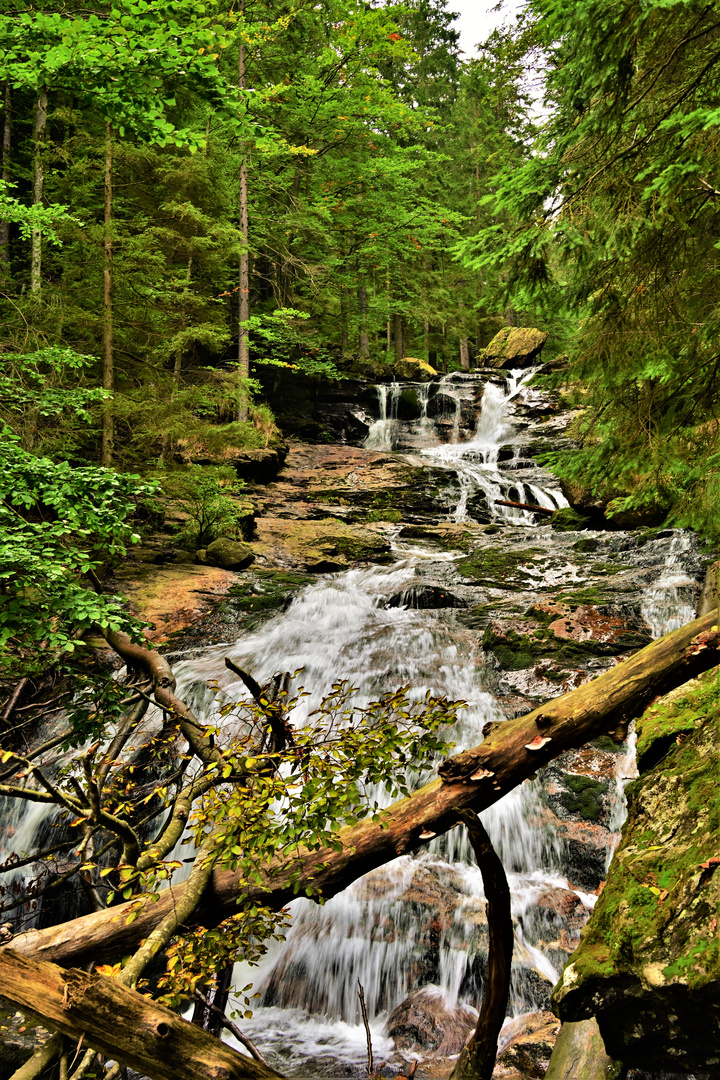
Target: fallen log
(513,750)
(121,1023)
(526,506)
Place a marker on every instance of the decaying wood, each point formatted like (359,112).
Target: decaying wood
(121,1023)
(510,754)
(477,1058)
(526,506)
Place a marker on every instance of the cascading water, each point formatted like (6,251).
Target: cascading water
(360,625)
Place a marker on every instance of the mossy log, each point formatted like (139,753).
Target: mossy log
(512,752)
(121,1023)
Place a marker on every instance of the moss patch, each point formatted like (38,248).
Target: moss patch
(584,796)
(659,909)
(499,569)
(675,715)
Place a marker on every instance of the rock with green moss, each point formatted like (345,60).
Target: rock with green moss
(226,553)
(568,520)
(648,964)
(414,370)
(513,347)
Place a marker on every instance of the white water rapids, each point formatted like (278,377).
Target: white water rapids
(341,628)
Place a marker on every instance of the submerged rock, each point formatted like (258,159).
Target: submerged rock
(425,1022)
(513,347)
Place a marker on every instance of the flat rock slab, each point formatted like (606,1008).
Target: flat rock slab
(172,597)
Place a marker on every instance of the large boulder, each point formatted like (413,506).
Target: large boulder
(425,1023)
(513,347)
(648,963)
(227,553)
(414,370)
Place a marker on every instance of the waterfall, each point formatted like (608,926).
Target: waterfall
(420,920)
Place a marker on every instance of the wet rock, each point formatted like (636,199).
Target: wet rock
(647,966)
(513,347)
(425,1023)
(259,466)
(414,370)
(620,516)
(20,1037)
(425,596)
(710,595)
(579,1054)
(226,553)
(528,1043)
(568,519)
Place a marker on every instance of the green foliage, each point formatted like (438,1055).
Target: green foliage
(57,526)
(211,497)
(613,228)
(345,761)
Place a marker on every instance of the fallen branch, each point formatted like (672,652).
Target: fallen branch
(121,1023)
(513,750)
(526,506)
(477,1058)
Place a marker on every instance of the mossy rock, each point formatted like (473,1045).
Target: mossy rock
(584,797)
(227,553)
(648,963)
(414,370)
(499,569)
(513,346)
(674,717)
(568,520)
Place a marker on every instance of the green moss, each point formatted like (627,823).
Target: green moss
(383,515)
(265,593)
(499,569)
(675,715)
(660,905)
(584,797)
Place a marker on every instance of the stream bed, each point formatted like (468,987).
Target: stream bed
(440,588)
(490,604)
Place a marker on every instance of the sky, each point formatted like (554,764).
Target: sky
(477,18)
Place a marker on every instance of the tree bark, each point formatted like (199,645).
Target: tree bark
(398,335)
(474,779)
(464,353)
(477,1058)
(244,267)
(38,187)
(5,176)
(121,1023)
(108,428)
(362,314)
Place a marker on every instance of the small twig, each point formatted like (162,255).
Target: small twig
(363,1010)
(233,1028)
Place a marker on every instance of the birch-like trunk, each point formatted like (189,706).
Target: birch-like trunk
(38,187)
(5,176)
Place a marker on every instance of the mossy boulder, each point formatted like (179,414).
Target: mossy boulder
(513,347)
(227,553)
(414,370)
(568,520)
(648,963)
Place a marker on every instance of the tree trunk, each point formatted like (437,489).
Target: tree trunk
(244,268)
(464,353)
(5,176)
(477,1058)
(397,336)
(121,1023)
(345,342)
(108,430)
(362,312)
(512,752)
(38,185)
